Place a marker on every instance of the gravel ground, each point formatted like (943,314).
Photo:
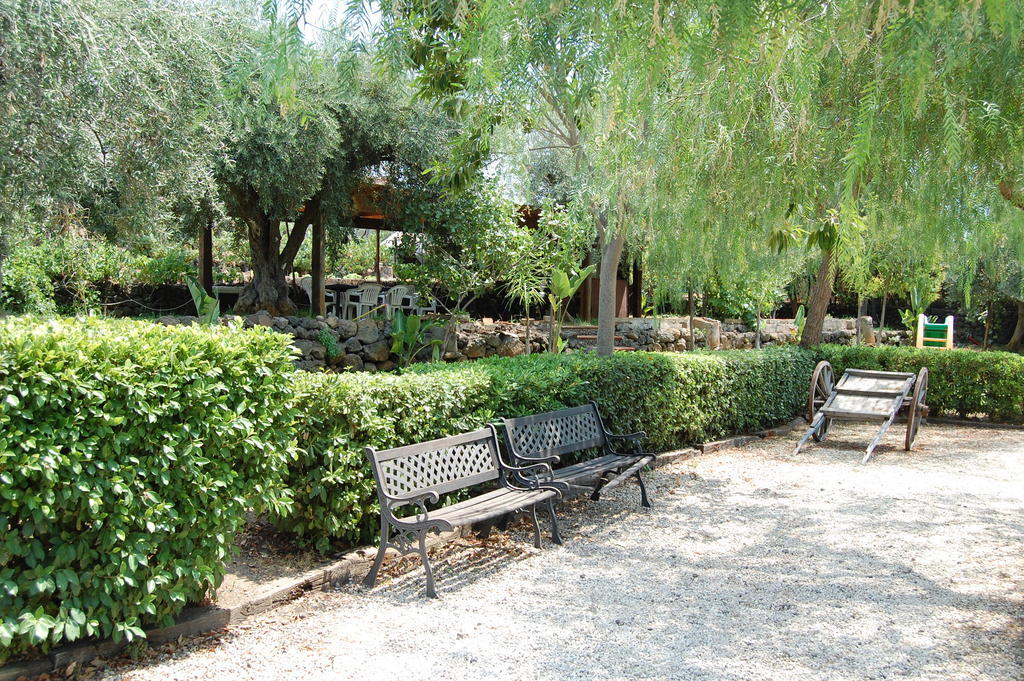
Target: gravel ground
(753,564)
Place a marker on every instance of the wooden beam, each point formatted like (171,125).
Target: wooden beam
(319,305)
(206,257)
(377,232)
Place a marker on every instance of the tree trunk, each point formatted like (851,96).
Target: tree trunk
(318,306)
(3,258)
(689,304)
(206,257)
(1018,332)
(611,254)
(267,290)
(817,302)
(988,325)
(529,345)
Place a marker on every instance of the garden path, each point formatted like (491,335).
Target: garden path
(753,564)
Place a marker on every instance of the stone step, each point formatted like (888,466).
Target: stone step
(591,337)
(624,348)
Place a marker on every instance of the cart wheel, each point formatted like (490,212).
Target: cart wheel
(918,408)
(822,385)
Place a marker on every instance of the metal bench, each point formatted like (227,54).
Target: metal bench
(418,475)
(545,438)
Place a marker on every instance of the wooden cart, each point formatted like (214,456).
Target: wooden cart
(863,395)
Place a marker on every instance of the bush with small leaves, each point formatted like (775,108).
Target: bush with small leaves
(129,455)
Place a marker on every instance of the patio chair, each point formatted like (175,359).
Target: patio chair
(330,297)
(424,304)
(361,300)
(395,297)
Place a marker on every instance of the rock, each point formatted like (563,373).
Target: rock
(667,335)
(353,345)
(369,366)
(511,347)
(866,331)
(347,328)
(280,323)
(378,352)
(308,365)
(168,320)
(453,357)
(475,348)
(306,347)
(333,321)
(321,324)
(368,332)
(261,318)
(386,365)
(350,361)
(493,341)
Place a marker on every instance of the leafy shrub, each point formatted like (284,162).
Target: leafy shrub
(677,398)
(27,285)
(960,382)
(73,268)
(129,453)
(172,267)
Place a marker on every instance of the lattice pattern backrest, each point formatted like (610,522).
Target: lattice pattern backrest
(557,432)
(439,466)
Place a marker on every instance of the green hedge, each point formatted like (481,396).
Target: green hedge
(129,453)
(960,382)
(677,398)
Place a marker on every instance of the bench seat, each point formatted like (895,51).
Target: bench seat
(417,476)
(491,505)
(545,438)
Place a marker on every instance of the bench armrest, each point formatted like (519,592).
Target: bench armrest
(431,497)
(640,435)
(530,460)
(421,520)
(633,438)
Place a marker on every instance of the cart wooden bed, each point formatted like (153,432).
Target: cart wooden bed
(863,395)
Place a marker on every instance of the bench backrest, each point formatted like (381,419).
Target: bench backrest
(439,466)
(555,433)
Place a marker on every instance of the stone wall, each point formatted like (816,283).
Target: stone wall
(366,345)
(737,335)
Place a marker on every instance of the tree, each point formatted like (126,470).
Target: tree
(296,151)
(109,112)
(465,243)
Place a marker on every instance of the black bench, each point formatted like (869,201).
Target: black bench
(545,438)
(417,475)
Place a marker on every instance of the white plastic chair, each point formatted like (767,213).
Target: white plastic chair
(361,300)
(424,304)
(330,297)
(395,298)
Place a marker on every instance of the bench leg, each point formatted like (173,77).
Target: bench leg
(426,565)
(597,488)
(536,526)
(643,491)
(555,535)
(371,578)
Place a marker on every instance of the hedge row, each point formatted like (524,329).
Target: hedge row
(129,454)
(677,398)
(960,382)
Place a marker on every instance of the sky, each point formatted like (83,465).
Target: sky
(322,13)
